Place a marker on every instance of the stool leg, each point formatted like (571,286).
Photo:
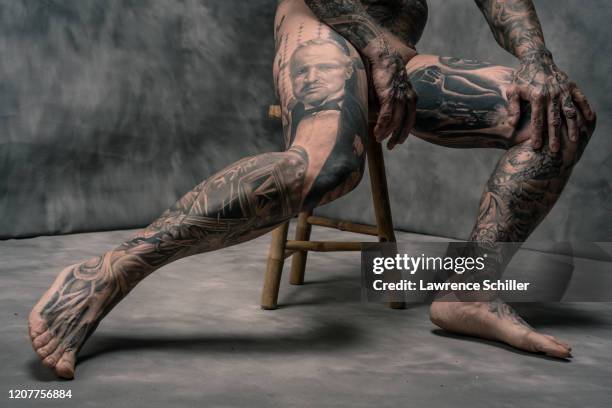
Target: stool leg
(274,269)
(380,196)
(380,193)
(298,263)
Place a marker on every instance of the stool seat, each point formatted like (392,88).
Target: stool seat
(281,248)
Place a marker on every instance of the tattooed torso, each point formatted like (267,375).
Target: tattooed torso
(404,18)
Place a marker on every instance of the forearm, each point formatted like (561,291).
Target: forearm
(515,26)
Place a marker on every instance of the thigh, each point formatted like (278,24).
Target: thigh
(322,86)
(462,103)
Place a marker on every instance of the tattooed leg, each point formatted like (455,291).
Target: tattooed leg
(463,103)
(241,202)
(322,87)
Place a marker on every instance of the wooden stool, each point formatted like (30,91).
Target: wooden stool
(282,248)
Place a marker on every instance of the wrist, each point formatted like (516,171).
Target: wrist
(536,56)
(387,47)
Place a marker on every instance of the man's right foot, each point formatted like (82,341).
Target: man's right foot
(70,310)
(495,320)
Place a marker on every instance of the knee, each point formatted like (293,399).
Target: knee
(337,177)
(570,152)
(261,188)
(279,190)
(287,179)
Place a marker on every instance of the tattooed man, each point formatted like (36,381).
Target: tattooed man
(540,118)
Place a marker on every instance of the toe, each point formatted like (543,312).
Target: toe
(42,339)
(552,348)
(537,342)
(36,325)
(65,366)
(559,342)
(52,359)
(49,348)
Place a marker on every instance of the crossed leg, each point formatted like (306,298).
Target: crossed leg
(323,90)
(462,103)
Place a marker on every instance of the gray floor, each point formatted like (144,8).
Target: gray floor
(192,334)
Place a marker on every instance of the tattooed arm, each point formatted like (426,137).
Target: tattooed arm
(516,28)
(387,56)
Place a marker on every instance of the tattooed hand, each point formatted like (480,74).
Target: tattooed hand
(551,95)
(397,100)
(387,55)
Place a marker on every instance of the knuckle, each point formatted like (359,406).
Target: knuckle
(537,124)
(385,109)
(384,98)
(538,95)
(569,112)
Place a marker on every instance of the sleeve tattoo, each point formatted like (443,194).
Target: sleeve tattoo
(515,25)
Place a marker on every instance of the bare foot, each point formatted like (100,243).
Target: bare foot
(495,320)
(70,310)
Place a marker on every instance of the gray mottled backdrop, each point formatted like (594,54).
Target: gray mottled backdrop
(109,111)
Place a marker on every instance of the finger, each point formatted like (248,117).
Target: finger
(537,122)
(514,105)
(583,103)
(398,120)
(569,112)
(404,130)
(553,115)
(401,110)
(382,128)
(411,111)
(397,132)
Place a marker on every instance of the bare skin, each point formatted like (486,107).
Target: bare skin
(471,104)
(322,86)
(321,81)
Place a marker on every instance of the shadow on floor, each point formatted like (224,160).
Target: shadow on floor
(324,337)
(320,292)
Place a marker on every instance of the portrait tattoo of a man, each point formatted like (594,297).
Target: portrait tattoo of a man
(322,74)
